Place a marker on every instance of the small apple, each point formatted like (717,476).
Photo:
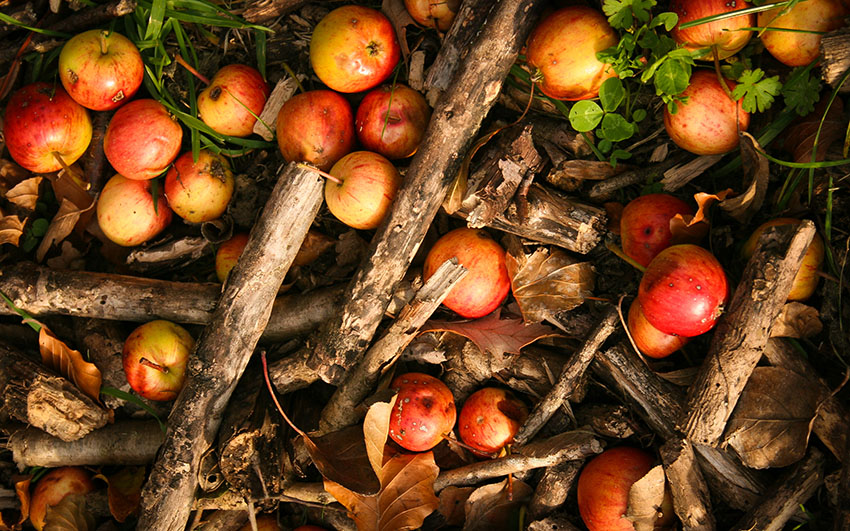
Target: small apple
(708,123)
(645,225)
(127,214)
(354,48)
(391,120)
(486,285)
(233,100)
(725,37)
(437,14)
(807,22)
(199,191)
(42,124)
(683,291)
(369,183)
(490,418)
(316,126)
(563,47)
(101,69)
(155,357)
(53,487)
(424,411)
(649,340)
(142,139)
(228,254)
(806,280)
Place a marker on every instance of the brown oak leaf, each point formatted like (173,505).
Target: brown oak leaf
(757,171)
(796,320)
(493,507)
(25,193)
(801,135)
(69,363)
(124,491)
(11,228)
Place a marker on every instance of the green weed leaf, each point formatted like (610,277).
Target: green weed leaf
(611,94)
(802,90)
(585,115)
(757,91)
(616,128)
(672,77)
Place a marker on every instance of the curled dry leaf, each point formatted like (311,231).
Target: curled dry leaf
(770,426)
(69,363)
(342,457)
(691,229)
(124,491)
(460,186)
(801,135)
(796,320)
(453,504)
(646,500)
(11,228)
(495,507)
(548,281)
(25,193)
(314,245)
(70,514)
(757,171)
(10,517)
(61,226)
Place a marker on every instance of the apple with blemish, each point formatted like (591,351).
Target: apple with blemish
(489,419)
(233,100)
(391,120)
(142,139)
(650,341)
(645,225)
(101,69)
(42,125)
(127,212)
(424,412)
(199,191)
(155,357)
(53,487)
(807,22)
(365,187)
(316,126)
(724,37)
(437,14)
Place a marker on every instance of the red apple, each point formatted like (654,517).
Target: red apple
(437,14)
(649,340)
(142,139)
(709,122)
(100,69)
(391,120)
(683,291)
(490,418)
(354,48)
(486,285)
(126,212)
(369,186)
(806,280)
(645,225)
(726,36)
(199,191)
(233,100)
(811,19)
(316,127)
(155,357)
(563,47)
(228,254)
(43,123)
(424,411)
(53,487)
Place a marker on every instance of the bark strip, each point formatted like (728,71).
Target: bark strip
(691,499)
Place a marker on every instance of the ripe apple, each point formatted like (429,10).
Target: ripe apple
(801,47)
(354,48)
(316,127)
(142,139)
(126,212)
(806,280)
(645,225)
(228,254)
(199,191)
(563,47)
(53,487)
(487,283)
(651,341)
(726,36)
(424,411)
(100,69)
(368,188)
(437,14)
(233,100)
(683,290)
(490,418)
(391,120)
(43,122)
(709,122)
(155,357)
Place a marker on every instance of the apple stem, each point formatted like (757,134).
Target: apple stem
(625,324)
(324,174)
(104,48)
(182,62)
(628,259)
(148,363)
(274,396)
(65,166)
(720,77)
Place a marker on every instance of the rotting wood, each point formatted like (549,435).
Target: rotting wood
(227,343)
(680,175)
(691,499)
(606,189)
(300,492)
(454,122)
(742,333)
(835,51)
(554,486)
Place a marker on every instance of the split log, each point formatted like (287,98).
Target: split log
(742,333)
(227,343)
(835,50)
(606,189)
(454,122)
(130,442)
(680,175)
(553,488)
(691,499)
(40,398)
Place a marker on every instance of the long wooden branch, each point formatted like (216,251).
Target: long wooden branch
(227,343)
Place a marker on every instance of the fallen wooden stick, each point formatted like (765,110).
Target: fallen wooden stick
(835,50)
(554,487)
(227,343)
(691,499)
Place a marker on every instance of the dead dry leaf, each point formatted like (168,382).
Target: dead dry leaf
(401,19)
(314,245)
(685,228)
(60,227)
(124,491)
(69,258)
(757,171)
(11,173)
(70,514)
(495,507)
(11,517)
(770,424)
(25,193)
(342,457)
(453,504)
(69,363)
(460,186)
(11,228)
(801,135)
(797,320)
(646,498)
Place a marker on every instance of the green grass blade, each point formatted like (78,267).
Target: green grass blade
(155,20)
(732,14)
(15,22)
(260,37)
(127,397)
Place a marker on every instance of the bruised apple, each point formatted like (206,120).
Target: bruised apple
(228,254)
(806,280)
(437,14)
(127,212)
(562,48)
(486,284)
(316,127)
(53,487)
(142,139)
(367,188)
(233,100)
(490,418)
(806,22)
(199,191)
(645,225)
(724,37)
(708,123)
(391,120)
(424,411)
(651,341)
(683,291)
(155,356)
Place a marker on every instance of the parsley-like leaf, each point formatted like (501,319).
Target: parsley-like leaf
(622,13)
(801,91)
(758,91)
